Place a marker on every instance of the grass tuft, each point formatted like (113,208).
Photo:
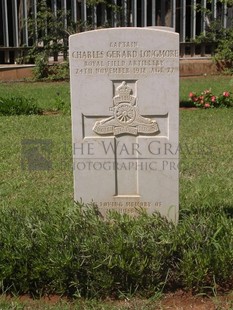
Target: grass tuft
(18,106)
(72,251)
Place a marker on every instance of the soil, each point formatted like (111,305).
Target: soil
(183,301)
(179,300)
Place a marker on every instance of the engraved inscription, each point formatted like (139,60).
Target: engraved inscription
(133,204)
(128,44)
(126,118)
(124,58)
(129,207)
(125,54)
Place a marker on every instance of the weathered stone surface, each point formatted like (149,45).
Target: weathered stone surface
(125,105)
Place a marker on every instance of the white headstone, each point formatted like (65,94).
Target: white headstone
(125,107)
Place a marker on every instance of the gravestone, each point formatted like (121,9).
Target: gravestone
(125,105)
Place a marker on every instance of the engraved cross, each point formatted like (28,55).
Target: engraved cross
(125,126)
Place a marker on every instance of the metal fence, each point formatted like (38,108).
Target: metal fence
(186,16)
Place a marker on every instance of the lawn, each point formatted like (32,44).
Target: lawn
(217,84)
(50,95)
(205,138)
(41,231)
(205,163)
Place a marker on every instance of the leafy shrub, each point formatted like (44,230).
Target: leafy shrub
(73,251)
(59,71)
(220,37)
(205,247)
(18,106)
(208,100)
(224,51)
(43,70)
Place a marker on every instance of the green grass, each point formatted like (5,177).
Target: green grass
(16,304)
(206,162)
(206,159)
(206,145)
(21,187)
(51,95)
(127,304)
(47,95)
(217,84)
(48,247)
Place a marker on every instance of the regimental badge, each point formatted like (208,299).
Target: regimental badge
(126,118)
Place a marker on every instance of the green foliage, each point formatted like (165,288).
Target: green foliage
(47,245)
(96,2)
(18,105)
(206,249)
(208,100)
(60,104)
(48,32)
(50,38)
(221,38)
(224,50)
(43,70)
(73,251)
(59,71)
(228,2)
(48,95)
(217,84)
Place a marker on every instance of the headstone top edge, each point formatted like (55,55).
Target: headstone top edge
(158,29)
(163,28)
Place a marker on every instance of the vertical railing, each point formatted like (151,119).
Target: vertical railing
(34,12)
(15,23)
(15,28)
(74,11)
(193,19)
(203,17)
(224,17)
(64,12)
(25,23)
(163,13)
(153,13)
(54,10)
(94,17)
(65,25)
(104,16)
(214,9)
(84,14)
(182,20)
(144,13)
(174,14)
(203,24)
(136,13)
(124,9)
(114,14)
(5,30)
(54,7)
